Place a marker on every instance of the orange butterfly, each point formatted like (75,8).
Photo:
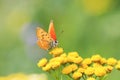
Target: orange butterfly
(47,40)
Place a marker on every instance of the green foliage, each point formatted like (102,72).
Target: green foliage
(88,30)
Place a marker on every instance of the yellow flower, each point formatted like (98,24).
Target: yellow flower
(65,60)
(64,56)
(89,71)
(47,67)
(73,66)
(55,64)
(118,65)
(81,70)
(18,76)
(84,66)
(108,68)
(87,61)
(103,61)
(74,60)
(111,61)
(56,51)
(21,76)
(118,62)
(3,78)
(70,58)
(76,66)
(97,65)
(42,62)
(96,58)
(99,71)
(57,59)
(67,70)
(77,60)
(76,75)
(90,78)
(73,54)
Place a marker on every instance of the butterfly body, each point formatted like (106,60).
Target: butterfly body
(46,40)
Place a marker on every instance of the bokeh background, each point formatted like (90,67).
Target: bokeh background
(90,27)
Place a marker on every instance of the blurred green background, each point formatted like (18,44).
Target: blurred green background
(90,27)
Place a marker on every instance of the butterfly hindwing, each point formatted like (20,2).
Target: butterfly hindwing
(44,39)
(44,44)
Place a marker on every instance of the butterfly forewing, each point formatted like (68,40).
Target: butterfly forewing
(51,31)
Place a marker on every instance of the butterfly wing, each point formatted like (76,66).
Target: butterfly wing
(44,39)
(44,44)
(51,31)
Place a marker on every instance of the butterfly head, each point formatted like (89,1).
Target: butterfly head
(54,43)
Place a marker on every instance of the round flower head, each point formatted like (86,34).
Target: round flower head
(42,62)
(108,68)
(84,66)
(73,66)
(77,60)
(81,70)
(99,71)
(103,61)
(111,61)
(89,71)
(76,75)
(87,61)
(73,54)
(118,62)
(118,65)
(67,70)
(70,59)
(57,59)
(96,58)
(56,51)
(97,65)
(55,65)
(64,57)
(47,67)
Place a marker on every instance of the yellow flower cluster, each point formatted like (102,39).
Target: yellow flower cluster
(21,76)
(118,65)
(76,67)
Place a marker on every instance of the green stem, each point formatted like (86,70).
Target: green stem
(56,75)
(104,77)
(84,77)
(53,73)
(61,77)
(100,78)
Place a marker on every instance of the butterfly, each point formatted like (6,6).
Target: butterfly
(46,40)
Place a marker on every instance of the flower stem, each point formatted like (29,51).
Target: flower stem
(84,77)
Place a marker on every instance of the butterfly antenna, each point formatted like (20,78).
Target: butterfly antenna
(60,34)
